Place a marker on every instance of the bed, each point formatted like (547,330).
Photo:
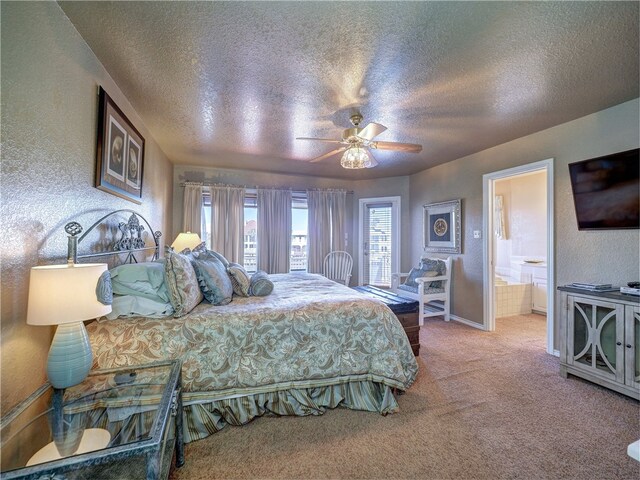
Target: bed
(310,345)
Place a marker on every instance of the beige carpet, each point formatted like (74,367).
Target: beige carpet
(485,406)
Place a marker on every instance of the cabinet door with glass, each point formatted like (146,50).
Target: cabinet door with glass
(596,336)
(632,346)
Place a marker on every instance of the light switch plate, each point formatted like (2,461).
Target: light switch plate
(477,234)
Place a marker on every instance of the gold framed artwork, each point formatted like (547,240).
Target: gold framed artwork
(442,225)
(119,153)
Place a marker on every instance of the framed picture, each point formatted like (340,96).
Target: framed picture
(119,153)
(442,225)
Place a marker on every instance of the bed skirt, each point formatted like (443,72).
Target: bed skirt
(204,419)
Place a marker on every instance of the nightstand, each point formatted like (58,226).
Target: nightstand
(118,423)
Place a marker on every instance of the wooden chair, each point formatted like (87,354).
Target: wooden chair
(433,301)
(337,267)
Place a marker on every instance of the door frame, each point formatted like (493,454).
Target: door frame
(488,268)
(395,232)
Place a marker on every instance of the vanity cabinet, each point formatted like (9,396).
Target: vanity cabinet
(600,339)
(536,274)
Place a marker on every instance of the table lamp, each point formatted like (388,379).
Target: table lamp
(65,295)
(186,240)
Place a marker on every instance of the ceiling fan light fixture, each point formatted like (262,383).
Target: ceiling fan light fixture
(356,157)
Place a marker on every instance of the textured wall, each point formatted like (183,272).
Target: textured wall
(394,186)
(610,256)
(50,82)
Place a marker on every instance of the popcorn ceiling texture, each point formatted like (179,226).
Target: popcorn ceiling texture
(231,84)
(50,82)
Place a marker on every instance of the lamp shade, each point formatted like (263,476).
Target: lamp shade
(186,240)
(61,294)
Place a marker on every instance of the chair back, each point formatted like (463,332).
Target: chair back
(337,266)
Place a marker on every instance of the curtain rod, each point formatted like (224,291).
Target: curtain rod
(255,187)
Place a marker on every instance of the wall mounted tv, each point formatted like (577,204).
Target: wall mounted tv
(606,191)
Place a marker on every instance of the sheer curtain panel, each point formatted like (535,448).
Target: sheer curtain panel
(192,208)
(274,230)
(227,222)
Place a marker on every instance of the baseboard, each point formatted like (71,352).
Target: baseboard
(467,322)
(556,353)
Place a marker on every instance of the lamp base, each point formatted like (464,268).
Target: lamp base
(92,439)
(70,356)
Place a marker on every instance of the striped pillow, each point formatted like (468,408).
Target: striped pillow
(239,279)
(182,282)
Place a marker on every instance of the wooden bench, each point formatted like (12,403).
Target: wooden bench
(405,309)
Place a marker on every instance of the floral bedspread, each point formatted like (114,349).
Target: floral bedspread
(309,332)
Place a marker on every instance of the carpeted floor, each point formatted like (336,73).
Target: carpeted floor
(484,406)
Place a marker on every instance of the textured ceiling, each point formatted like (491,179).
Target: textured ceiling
(232,84)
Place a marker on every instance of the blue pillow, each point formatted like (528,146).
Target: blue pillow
(104,290)
(140,279)
(260,285)
(213,279)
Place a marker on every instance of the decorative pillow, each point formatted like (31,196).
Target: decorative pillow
(212,277)
(201,249)
(182,282)
(260,285)
(104,290)
(145,279)
(136,306)
(239,279)
(434,265)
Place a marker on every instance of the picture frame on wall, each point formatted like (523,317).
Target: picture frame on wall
(442,226)
(119,152)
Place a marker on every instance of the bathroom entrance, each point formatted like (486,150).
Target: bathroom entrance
(518,250)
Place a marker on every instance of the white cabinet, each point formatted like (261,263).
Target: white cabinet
(600,339)
(536,274)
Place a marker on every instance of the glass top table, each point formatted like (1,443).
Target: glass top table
(118,423)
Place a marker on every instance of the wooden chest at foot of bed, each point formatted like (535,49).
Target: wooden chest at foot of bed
(405,309)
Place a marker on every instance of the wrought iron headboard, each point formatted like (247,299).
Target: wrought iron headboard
(130,241)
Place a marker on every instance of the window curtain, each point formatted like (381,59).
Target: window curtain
(192,209)
(274,230)
(327,225)
(227,222)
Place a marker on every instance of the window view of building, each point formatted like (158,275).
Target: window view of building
(298,261)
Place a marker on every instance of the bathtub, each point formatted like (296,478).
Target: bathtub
(512,297)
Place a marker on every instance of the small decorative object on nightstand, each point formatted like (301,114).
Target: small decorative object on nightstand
(65,295)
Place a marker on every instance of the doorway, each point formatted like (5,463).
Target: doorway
(379,252)
(524,275)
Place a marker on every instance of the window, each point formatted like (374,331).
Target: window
(299,218)
(377,234)
(250,232)
(299,222)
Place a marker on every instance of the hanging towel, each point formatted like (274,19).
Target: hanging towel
(498,218)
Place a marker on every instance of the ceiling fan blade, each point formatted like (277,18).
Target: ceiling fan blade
(401,147)
(371,130)
(374,162)
(329,140)
(328,154)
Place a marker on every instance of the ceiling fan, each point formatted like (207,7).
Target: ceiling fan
(356,143)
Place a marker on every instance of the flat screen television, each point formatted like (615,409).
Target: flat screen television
(606,191)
